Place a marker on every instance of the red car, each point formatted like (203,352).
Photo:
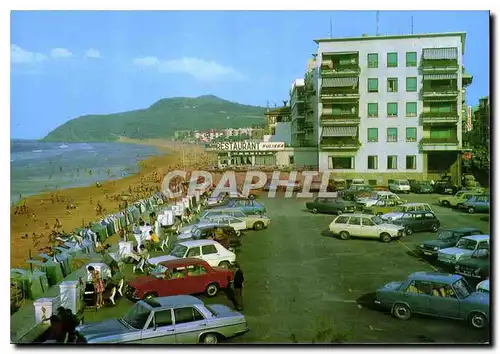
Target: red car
(180,277)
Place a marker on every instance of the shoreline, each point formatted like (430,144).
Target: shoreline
(45,207)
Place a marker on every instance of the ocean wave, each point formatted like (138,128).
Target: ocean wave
(63,146)
(37,150)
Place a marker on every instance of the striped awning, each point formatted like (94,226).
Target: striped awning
(440,77)
(339,82)
(440,53)
(339,131)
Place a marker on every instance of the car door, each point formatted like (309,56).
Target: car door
(483,204)
(418,221)
(368,228)
(210,255)
(160,329)
(444,302)
(430,221)
(354,226)
(189,323)
(194,252)
(197,277)
(418,296)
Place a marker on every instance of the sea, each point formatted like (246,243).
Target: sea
(38,166)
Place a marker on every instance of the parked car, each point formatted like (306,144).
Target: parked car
(249,207)
(230,240)
(464,247)
(421,187)
(445,187)
(256,222)
(477,204)
(446,238)
(179,277)
(398,211)
(375,196)
(330,205)
(457,199)
(337,184)
(484,286)
(382,206)
(435,294)
(399,186)
(357,182)
(416,221)
(224,220)
(209,250)
(220,199)
(356,191)
(364,226)
(477,265)
(180,319)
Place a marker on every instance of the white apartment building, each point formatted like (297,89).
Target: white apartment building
(391,106)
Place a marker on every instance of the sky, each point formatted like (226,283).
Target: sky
(65,64)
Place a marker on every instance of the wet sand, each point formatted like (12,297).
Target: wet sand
(47,207)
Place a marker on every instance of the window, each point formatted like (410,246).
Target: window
(196,270)
(372,182)
(411,162)
(440,134)
(368,222)
(372,109)
(372,85)
(411,109)
(392,85)
(411,84)
(442,290)
(411,134)
(290,160)
(373,60)
(342,163)
(440,108)
(392,162)
(392,135)
(354,220)
(411,59)
(392,60)
(372,134)
(193,252)
(419,287)
(208,249)
(342,220)
(373,164)
(430,216)
(187,314)
(163,318)
(392,109)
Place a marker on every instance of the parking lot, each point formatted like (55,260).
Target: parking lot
(303,285)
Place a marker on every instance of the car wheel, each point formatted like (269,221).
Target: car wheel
(209,338)
(379,214)
(471,210)
(224,264)
(477,320)
(315,211)
(409,230)
(259,225)
(446,203)
(211,290)
(385,237)
(150,296)
(339,212)
(401,312)
(434,227)
(344,235)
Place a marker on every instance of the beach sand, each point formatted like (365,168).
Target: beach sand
(47,207)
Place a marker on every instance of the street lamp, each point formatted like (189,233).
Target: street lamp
(125,198)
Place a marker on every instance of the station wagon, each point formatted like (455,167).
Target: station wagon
(477,204)
(398,211)
(415,221)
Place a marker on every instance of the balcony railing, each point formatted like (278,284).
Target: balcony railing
(339,119)
(339,144)
(439,65)
(339,94)
(343,70)
(439,144)
(439,91)
(450,118)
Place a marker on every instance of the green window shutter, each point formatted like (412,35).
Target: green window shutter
(411,84)
(392,60)
(372,134)
(445,108)
(411,59)
(392,135)
(411,134)
(372,85)
(372,109)
(336,110)
(441,134)
(373,60)
(392,109)
(411,109)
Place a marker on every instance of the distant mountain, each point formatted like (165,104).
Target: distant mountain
(160,120)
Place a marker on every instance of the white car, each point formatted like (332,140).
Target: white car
(237,224)
(400,185)
(209,250)
(365,226)
(376,196)
(404,208)
(484,286)
(255,222)
(464,247)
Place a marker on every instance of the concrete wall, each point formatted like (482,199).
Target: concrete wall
(283,133)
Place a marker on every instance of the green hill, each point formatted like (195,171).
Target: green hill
(160,120)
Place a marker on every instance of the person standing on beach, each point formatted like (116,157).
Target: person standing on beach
(98,285)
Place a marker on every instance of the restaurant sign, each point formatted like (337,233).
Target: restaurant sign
(246,146)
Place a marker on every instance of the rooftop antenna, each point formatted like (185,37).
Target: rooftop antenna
(331,31)
(412,25)
(378,14)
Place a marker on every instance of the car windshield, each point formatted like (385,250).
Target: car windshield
(444,235)
(179,251)
(466,244)
(462,289)
(377,220)
(137,316)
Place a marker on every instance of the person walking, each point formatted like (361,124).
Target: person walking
(98,285)
(238,287)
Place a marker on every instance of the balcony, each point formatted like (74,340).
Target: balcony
(340,89)
(439,144)
(339,144)
(440,86)
(436,60)
(339,119)
(439,118)
(340,71)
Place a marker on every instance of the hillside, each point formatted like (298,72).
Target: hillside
(160,120)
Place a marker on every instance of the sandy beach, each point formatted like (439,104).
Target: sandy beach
(35,216)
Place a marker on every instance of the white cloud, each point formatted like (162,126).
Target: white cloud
(93,53)
(200,69)
(20,56)
(60,53)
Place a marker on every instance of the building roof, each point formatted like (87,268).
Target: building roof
(435,276)
(278,111)
(422,35)
(174,301)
